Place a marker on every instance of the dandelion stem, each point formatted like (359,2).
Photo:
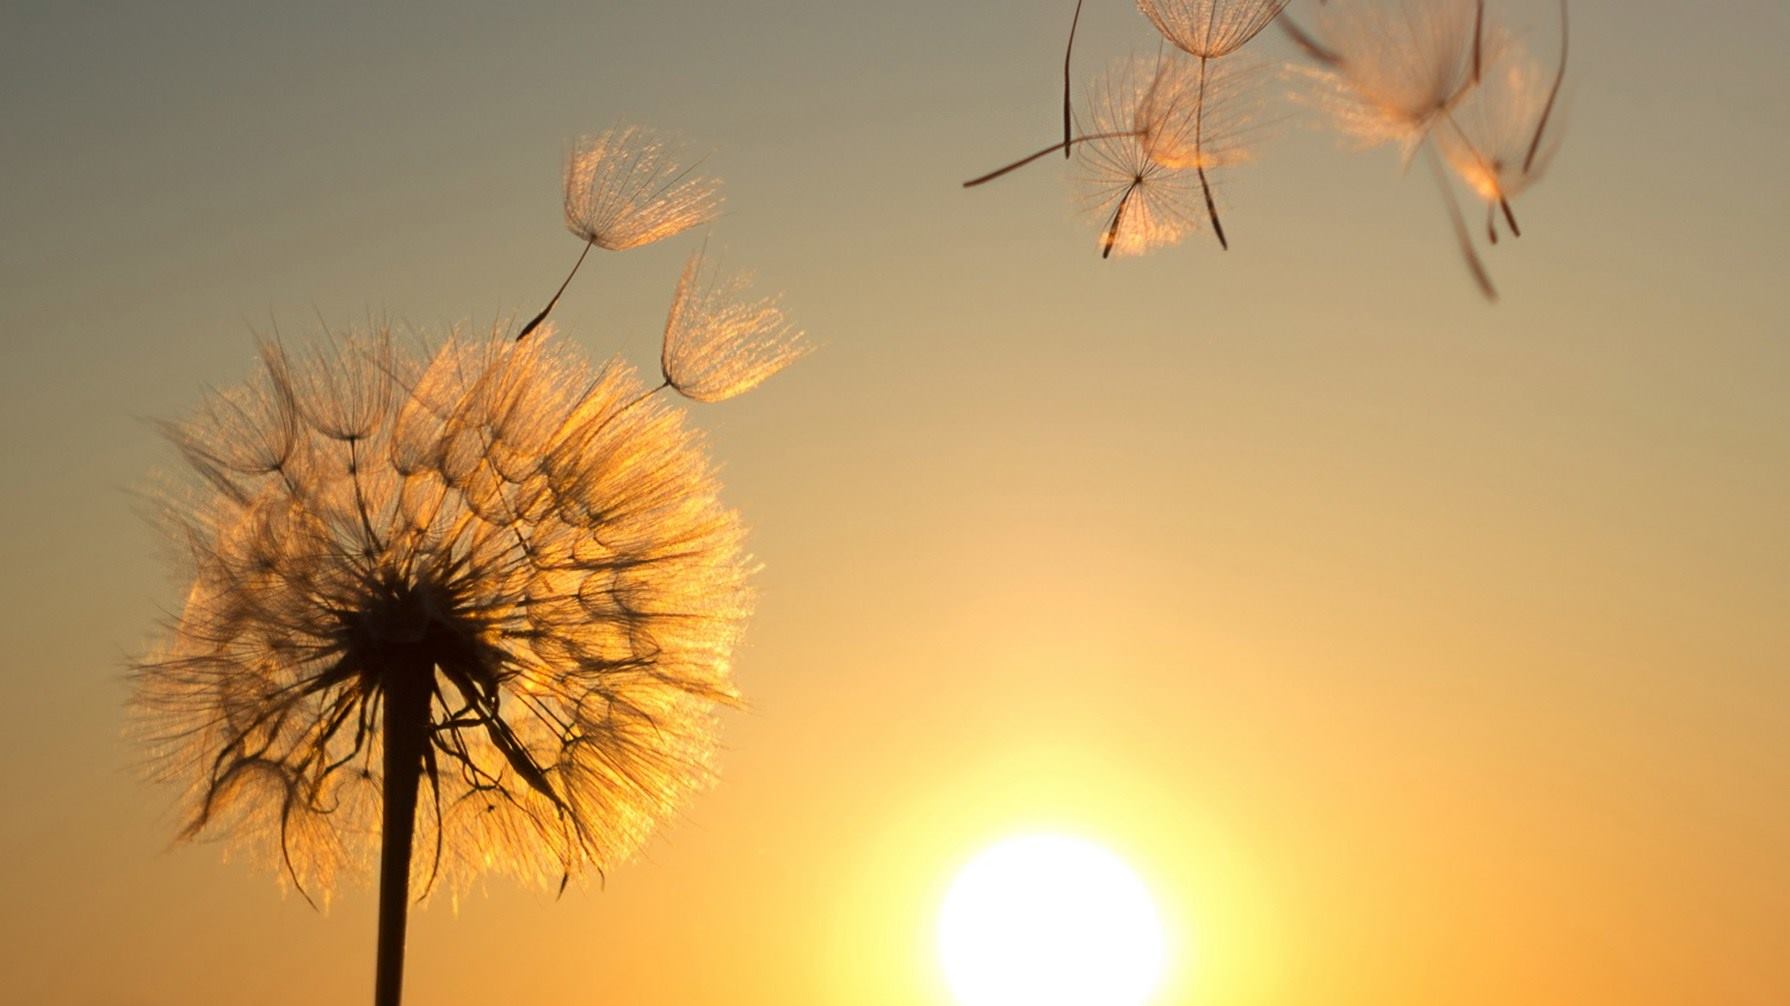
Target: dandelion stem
(1068,51)
(406,734)
(535,322)
(1023,161)
(1199,157)
(643,396)
(1478,40)
(629,405)
(1111,237)
(1304,40)
(1547,110)
(1461,234)
(1489,172)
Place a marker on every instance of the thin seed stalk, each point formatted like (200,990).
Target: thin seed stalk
(1111,237)
(1069,51)
(535,322)
(406,733)
(1491,173)
(1199,157)
(1461,236)
(1029,158)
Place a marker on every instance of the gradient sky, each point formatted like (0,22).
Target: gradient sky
(1414,650)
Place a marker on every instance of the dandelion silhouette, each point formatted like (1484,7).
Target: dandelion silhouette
(477,600)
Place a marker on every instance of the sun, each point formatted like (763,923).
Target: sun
(1049,920)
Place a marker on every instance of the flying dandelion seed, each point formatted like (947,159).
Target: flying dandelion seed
(719,343)
(1138,107)
(1389,72)
(1499,141)
(1142,203)
(1205,119)
(1156,126)
(626,187)
(1209,30)
(1390,69)
(1156,104)
(1432,78)
(478,601)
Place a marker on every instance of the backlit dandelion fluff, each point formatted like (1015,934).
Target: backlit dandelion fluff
(626,187)
(1389,69)
(1433,78)
(718,341)
(1499,140)
(1209,30)
(1133,176)
(1204,119)
(479,600)
(1154,128)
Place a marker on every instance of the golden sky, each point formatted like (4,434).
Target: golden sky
(1413,650)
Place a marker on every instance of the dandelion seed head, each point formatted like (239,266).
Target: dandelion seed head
(1496,125)
(1187,123)
(1210,28)
(1402,63)
(628,186)
(719,342)
(1130,176)
(535,541)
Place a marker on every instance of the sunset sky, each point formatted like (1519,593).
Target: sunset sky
(1411,649)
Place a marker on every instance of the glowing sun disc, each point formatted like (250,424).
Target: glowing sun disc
(1049,920)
